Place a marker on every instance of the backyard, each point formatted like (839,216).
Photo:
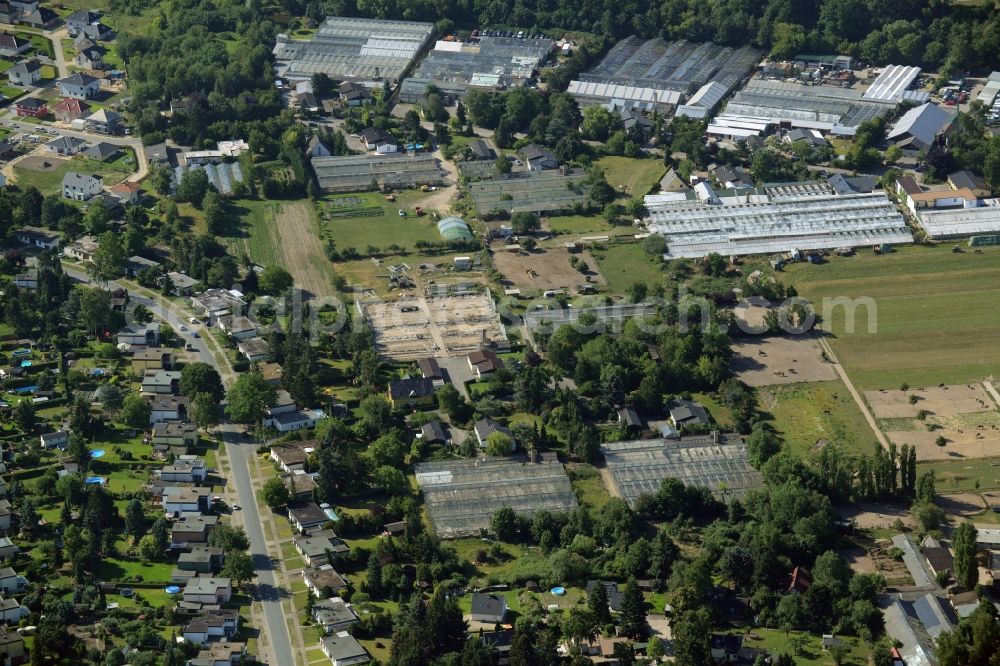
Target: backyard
(363,219)
(625,263)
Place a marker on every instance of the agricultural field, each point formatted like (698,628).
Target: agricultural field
(625,263)
(807,414)
(960,475)
(637,176)
(363,219)
(933,314)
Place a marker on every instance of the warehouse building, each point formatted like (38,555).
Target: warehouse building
(921,127)
(773,219)
(893,85)
(654,74)
(366,51)
(357,173)
(488,63)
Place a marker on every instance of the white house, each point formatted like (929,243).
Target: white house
(168,408)
(238,327)
(80,187)
(10,582)
(52,440)
(209,590)
(344,650)
(5,514)
(292,421)
(40,238)
(25,73)
(11,611)
(316,148)
(213,626)
(79,86)
(186,469)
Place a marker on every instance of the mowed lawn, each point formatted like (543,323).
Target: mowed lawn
(637,175)
(934,314)
(50,181)
(366,218)
(256,236)
(625,263)
(805,414)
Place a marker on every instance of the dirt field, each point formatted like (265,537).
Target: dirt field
(545,269)
(869,515)
(780,360)
(43,163)
(975,443)
(858,559)
(961,504)
(939,401)
(301,249)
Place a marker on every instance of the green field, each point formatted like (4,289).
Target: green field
(253,238)
(586,224)
(50,182)
(381,229)
(777,641)
(625,263)
(638,176)
(935,314)
(957,475)
(807,413)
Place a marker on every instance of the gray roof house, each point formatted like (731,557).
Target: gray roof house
(488,608)
(539,157)
(79,86)
(80,186)
(333,614)
(486,427)
(687,413)
(102,150)
(344,650)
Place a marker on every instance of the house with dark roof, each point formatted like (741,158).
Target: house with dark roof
(939,559)
(733,177)
(411,392)
(317,546)
(333,614)
(486,427)
(31,107)
(613,593)
(104,121)
(379,140)
(316,148)
(220,625)
(12,45)
(488,608)
(323,580)
(842,184)
(78,20)
(483,362)
(433,433)
(42,18)
(539,157)
(628,418)
(685,413)
(920,128)
(307,516)
(799,581)
(429,369)
(355,94)
(342,649)
(7,150)
(292,456)
(25,73)
(79,86)
(65,145)
(90,57)
(482,151)
(725,647)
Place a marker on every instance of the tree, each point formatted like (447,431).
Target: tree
(274,493)
(228,538)
(502,165)
(24,416)
(505,524)
(925,487)
(275,280)
(205,411)
(499,444)
(249,398)
(633,610)
(524,223)
(135,411)
(762,444)
(238,567)
(692,632)
(201,377)
(193,187)
(216,215)
(597,601)
(135,520)
(95,308)
(109,259)
(964,545)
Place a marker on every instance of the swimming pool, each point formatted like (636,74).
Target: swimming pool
(97,453)
(95,480)
(21,352)
(25,364)
(558,591)
(26,389)
(172,589)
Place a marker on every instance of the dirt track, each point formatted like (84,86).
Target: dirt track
(301,249)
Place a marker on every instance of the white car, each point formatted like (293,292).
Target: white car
(183,327)
(192,320)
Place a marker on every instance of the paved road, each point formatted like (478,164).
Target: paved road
(239,449)
(56,37)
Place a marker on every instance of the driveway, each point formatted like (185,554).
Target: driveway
(457,371)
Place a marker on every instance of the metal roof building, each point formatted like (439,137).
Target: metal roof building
(755,223)
(653,73)
(355,173)
(920,126)
(489,63)
(892,83)
(354,49)
(961,222)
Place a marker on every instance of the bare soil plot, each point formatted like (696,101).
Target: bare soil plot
(302,250)
(965,505)
(871,515)
(43,163)
(939,401)
(780,360)
(546,269)
(962,443)
(894,571)
(858,559)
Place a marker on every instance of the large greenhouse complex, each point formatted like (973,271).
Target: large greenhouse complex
(961,222)
(356,173)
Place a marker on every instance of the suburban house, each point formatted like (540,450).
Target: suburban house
(539,157)
(160,382)
(214,303)
(191,528)
(917,198)
(482,151)
(12,45)
(271,372)
(411,392)
(79,86)
(97,32)
(5,513)
(25,73)
(10,582)
(317,546)
(103,121)
(201,559)
(220,654)
(283,403)
(209,590)
(378,140)
(355,94)
(90,57)
(186,469)
(486,427)
(136,264)
(611,590)
(102,151)
(183,284)
(433,433)
(939,558)
(78,20)
(42,18)
(8,549)
(333,614)
(12,649)
(687,413)
(147,335)
(129,193)
(255,349)
(733,177)
(300,485)
(307,516)
(315,148)
(11,611)
(628,418)
(31,107)
(220,625)
(488,608)
(27,280)
(323,581)
(185,500)
(292,456)
(83,248)
(292,421)
(173,433)
(725,647)
(344,650)
(430,369)
(54,440)
(65,145)
(483,362)
(41,238)
(152,358)
(238,327)
(168,408)
(80,186)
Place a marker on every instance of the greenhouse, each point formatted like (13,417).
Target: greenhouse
(453,228)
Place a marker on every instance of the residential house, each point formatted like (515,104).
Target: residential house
(220,654)
(220,625)
(686,413)
(10,582)
(79,86)
(481,151)
(78,20)
(12,649)
(808,137)
(411,392)
(488,608)
(98,32)
(283,403)
(611,590)
(307,516)
(966,180)
(317,546)
(355,94)
(184,285)
(733,177)
(184,435)
(209,590)
(214,303)
(27,280)
(483,362)
(152,358)
(12,45)
(939,559)
(628,419)
(315,148)
(499,643)
(103,121)
(292,456)
(90,57)
(191,528)
(104,152)
(8,549)
(307,103)
(333,615)
(539,157)
(238,327)
(80,187)
(379,140)
(161,382)
(40,238)
(82,249)
(344,650)
(168,408)
(255,349)
(54,440)
(323,581)
(136,264)
(185,469)
(65,145)
(271,372)
(147,335)
(433,433)
(11,611)
(300,485)
(158,154)
(185,500)
(429,369)
(637,125)
(725,647)
(5,514)
(920,128)
(486,427)
(25,73)
(31,107)
(42,18)
(7,13)
(292,421)
(130,193)
(917,198)
(202,559)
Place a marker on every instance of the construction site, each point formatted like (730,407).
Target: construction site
(415,327)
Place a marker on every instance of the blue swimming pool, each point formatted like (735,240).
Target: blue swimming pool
(95,480)
(25,364)
(172,589)
(21,352)
(97,453)
(26,389)
(559,591)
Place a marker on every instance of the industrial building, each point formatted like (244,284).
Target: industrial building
(487,63)
(366,51)
(774,219)
(715,461)
(893,85)
(654,74)
(920,127)
(462,495)
(357,173)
